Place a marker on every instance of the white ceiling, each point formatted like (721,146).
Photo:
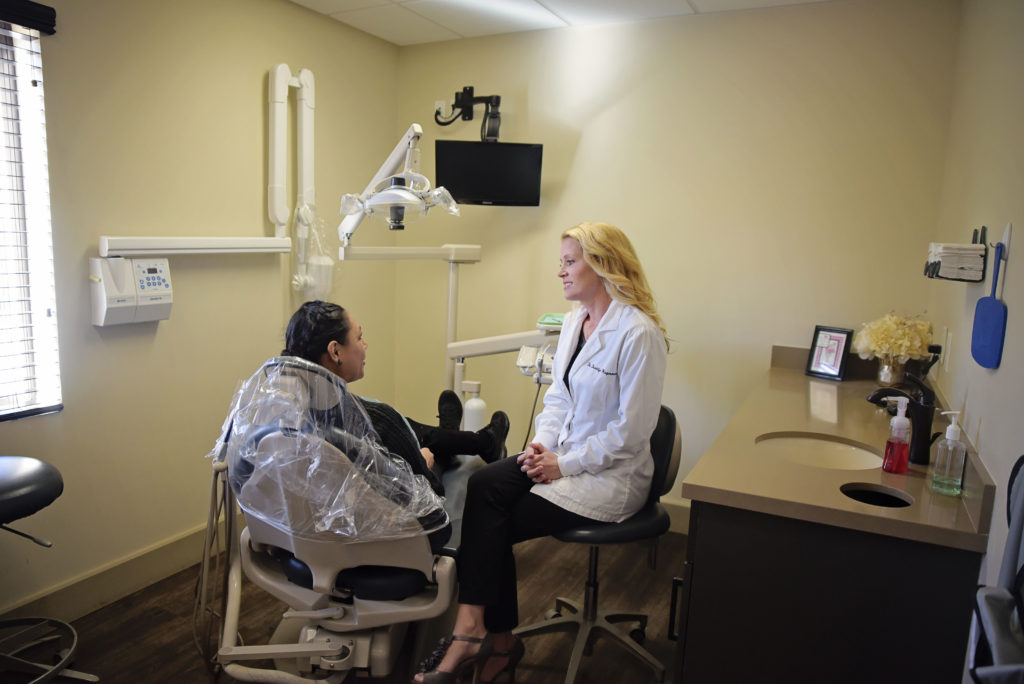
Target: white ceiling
(408,22)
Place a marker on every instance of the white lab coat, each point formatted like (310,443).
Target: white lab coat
(600,425)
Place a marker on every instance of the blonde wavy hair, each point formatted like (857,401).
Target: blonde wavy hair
(608,251)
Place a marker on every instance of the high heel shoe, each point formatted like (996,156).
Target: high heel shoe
(471,663)
(514,654)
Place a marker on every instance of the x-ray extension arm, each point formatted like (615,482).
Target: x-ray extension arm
(280,80)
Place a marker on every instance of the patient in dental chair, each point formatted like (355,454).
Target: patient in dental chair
(304,457)
(337,463)
(327,334)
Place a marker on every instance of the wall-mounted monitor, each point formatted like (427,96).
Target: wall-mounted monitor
(493,173)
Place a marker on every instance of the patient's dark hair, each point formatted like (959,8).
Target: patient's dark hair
(312,328)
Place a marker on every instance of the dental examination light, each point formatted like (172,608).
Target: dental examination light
(397,193)
(463,109)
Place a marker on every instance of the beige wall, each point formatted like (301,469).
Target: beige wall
(776,169)
(984,185)
(156,118)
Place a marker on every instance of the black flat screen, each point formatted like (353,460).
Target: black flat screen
(501,174)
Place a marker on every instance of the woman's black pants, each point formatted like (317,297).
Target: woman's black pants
(500,511)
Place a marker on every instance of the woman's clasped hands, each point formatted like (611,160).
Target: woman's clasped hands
(539,463)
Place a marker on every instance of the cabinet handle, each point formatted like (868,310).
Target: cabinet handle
(677,584)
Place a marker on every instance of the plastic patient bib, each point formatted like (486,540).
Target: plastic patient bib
(303,456)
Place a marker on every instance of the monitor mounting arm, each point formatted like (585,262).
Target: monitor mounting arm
(465,100)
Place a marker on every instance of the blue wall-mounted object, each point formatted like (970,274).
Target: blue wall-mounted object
(989,323)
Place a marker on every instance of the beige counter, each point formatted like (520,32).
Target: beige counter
(736,472)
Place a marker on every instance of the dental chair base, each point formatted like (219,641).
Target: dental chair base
(327,629)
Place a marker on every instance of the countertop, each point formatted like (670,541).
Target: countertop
(736,472)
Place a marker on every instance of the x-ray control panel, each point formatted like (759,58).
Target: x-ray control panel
(130,290)
(153,275)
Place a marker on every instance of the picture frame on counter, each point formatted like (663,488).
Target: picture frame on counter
(829,350)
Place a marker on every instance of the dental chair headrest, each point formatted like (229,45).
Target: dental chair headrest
(324,387)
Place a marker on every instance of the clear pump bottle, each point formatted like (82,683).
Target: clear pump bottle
(950,457)
(474,409)
(897,447)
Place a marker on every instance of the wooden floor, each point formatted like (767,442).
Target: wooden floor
(147,637)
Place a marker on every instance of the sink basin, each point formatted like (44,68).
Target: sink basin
(877,495)
(818,450)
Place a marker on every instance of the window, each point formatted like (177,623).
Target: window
(29,360)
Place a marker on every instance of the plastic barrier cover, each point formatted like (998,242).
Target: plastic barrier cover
(304,457)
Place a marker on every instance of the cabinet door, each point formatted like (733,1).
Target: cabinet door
(778,599)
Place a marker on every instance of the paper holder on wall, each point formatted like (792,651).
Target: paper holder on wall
(961,262)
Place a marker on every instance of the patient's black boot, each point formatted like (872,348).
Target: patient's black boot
(497,431)
(449,410)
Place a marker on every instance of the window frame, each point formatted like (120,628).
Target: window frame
(29,346)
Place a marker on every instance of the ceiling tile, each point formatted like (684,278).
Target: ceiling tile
(410,22)
(334,6)
(469,18)
(584,12)
(396,24)
(704,6)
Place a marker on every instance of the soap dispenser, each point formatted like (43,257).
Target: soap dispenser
(897,447)
(950,457)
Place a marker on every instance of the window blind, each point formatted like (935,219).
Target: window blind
(30,15)
(29,359)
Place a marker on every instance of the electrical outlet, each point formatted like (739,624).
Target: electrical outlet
(947,345)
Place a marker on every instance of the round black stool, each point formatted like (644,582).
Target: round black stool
(28,485)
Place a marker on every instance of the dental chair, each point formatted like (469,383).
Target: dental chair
(336,531)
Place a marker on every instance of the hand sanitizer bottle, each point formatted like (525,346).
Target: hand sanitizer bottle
(950,456)
(897,448)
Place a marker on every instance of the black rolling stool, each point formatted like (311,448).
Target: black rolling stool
(649,523)
(28,485)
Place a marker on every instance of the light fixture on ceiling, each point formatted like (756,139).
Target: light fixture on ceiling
(397,196)
(462,109)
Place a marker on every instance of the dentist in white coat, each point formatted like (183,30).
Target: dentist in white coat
(589,461)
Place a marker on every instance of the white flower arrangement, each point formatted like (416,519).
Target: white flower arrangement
(892,338)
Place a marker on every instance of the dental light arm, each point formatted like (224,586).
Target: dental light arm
(397,187)
(401,153)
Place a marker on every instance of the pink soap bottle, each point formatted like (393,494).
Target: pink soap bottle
(897,447)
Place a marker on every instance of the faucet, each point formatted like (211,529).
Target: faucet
(920,411)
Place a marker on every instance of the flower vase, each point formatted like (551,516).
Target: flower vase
(890,371)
